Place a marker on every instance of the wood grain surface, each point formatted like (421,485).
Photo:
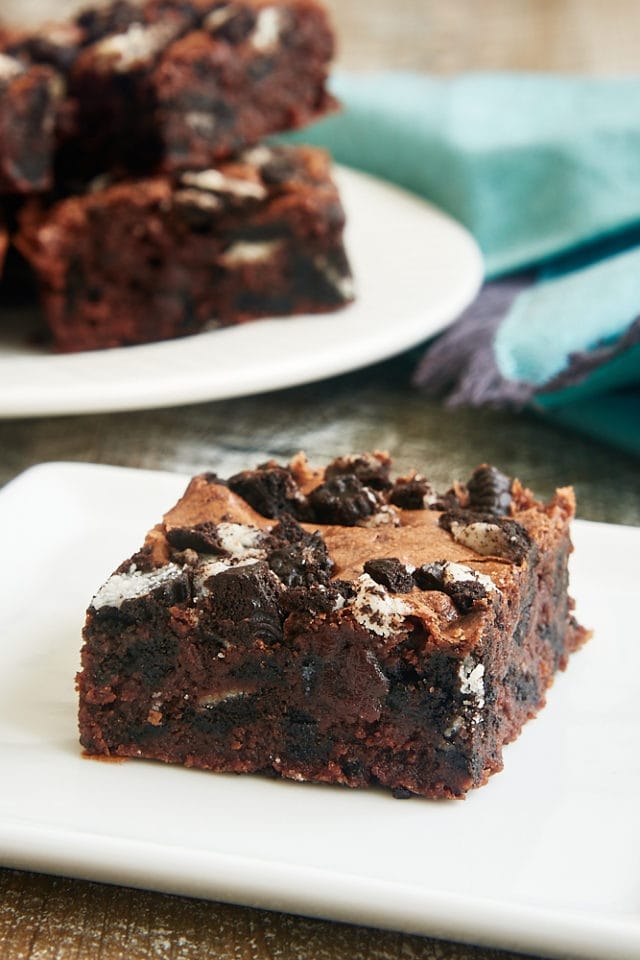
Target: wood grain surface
(51,918)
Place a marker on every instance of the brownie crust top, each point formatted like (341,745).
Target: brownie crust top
(351,541)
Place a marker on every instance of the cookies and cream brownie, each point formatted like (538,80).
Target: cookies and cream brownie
(334,625)
(146,260)
(183,86)
(179,84)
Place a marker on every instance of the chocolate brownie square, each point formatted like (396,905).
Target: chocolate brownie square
(174,85)
(334,625)
(145,260)
(253,69)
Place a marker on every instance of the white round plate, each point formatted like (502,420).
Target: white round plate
(415,271)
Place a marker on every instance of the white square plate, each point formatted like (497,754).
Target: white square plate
(544,859)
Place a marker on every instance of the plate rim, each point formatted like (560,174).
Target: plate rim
(255,883)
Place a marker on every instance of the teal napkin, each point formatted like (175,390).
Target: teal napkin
(544,172)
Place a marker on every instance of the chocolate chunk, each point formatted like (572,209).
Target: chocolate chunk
(203,537)
(410,494)
(390,574)
(371,470)
(489,491)
(270,490)
(343,500)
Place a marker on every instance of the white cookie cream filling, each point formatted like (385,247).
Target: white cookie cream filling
(9,68)
(375,608)
(471,675)
(216,182)
(217,18)
(266,34)
(244,251)
(133,584)
(485,538)
(461,573)
(242,542)
(136,46)
(342,283)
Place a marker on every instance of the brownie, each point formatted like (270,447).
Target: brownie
(253,69)
(158,86)
(330,625)
(172,85)
(147,260)
(29,95)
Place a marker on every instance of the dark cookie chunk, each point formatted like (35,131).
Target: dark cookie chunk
(445,501)
(410,494)
(489,491)
(464,592)
(343,500)
(278,169)
(212,477)
(488,534)
(390,574)
(270,490)
(115,18)
(285,532)
(57,46)
(296,557)
(248,592)
(163,587)
(315,599)
(401,793)
(203,537)
(230,22)
(371,470)
(142,560)
(302,563)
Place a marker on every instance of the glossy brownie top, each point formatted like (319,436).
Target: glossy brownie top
(348,538)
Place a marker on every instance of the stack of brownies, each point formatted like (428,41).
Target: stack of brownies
(135,180)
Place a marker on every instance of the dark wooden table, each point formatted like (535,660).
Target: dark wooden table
(61,919)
